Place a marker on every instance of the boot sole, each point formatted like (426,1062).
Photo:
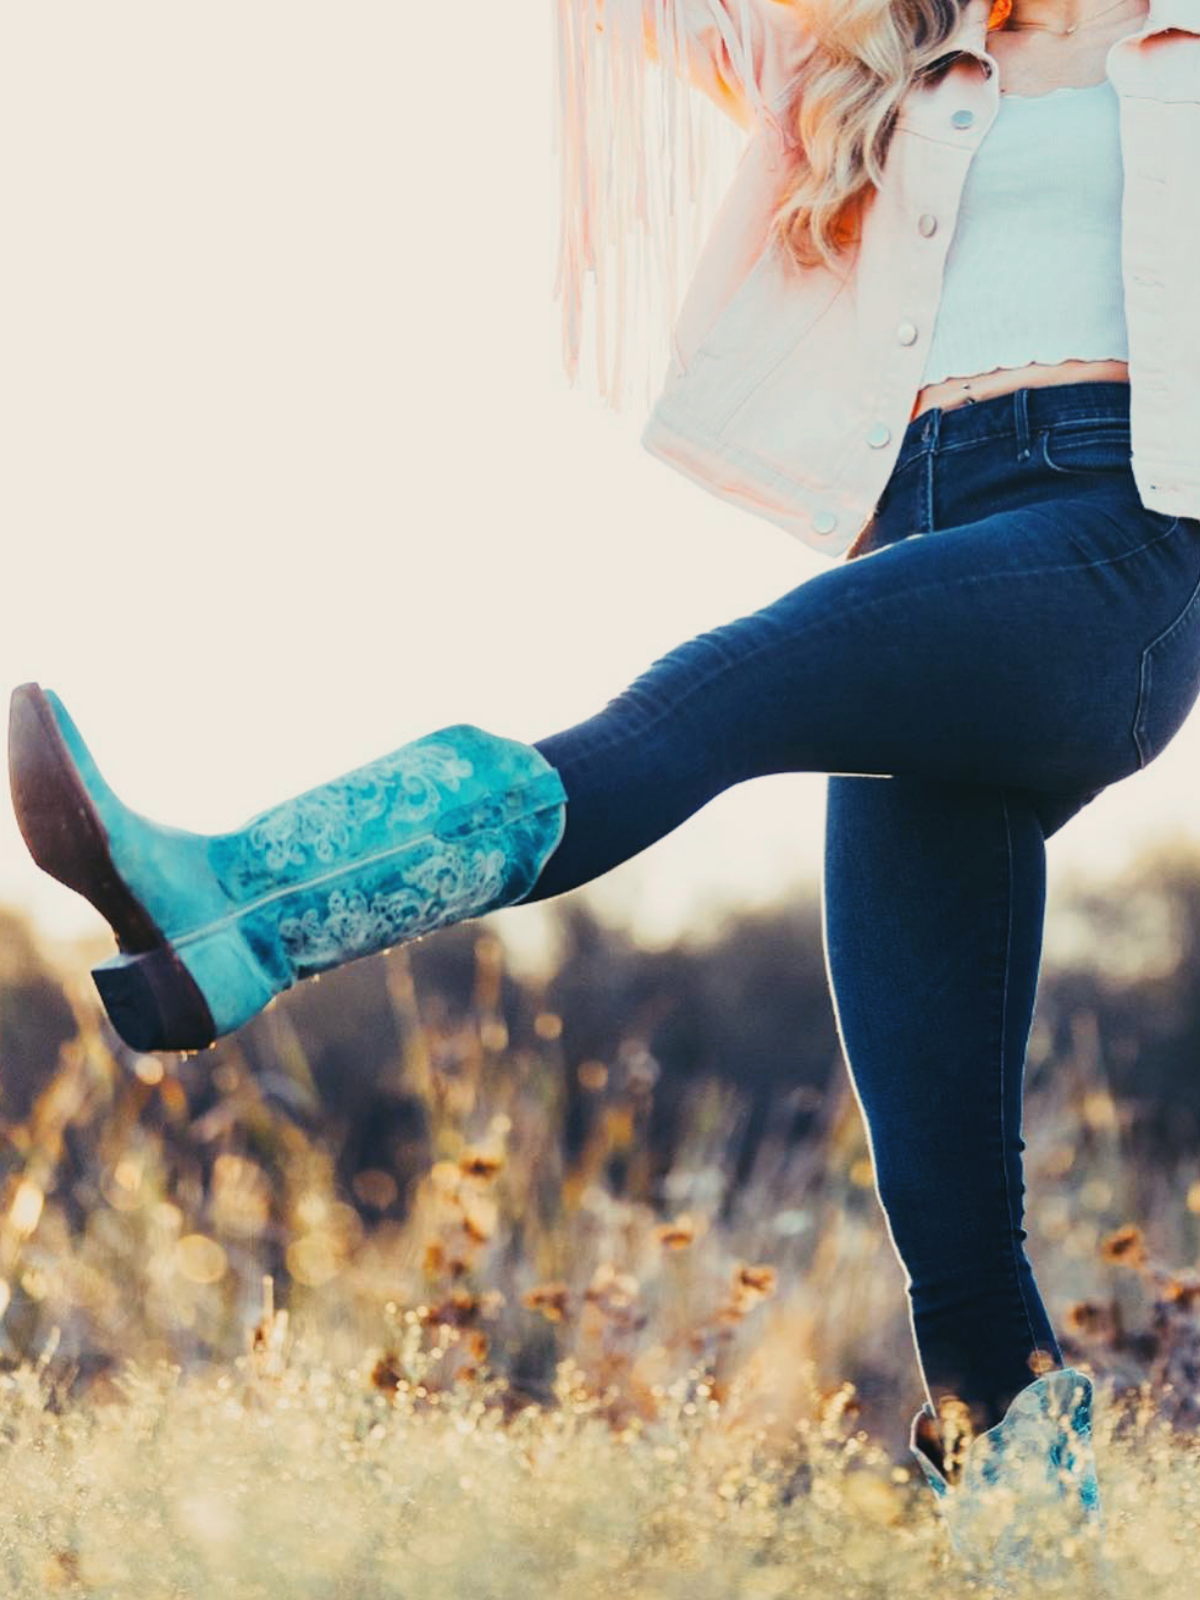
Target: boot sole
(152,1000)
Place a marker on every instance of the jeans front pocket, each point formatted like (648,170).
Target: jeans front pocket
(1169,682)
(1087,444)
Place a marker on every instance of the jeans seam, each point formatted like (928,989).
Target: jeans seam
(1145,677)
(908,593)
(1033,1342)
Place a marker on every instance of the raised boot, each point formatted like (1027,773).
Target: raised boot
(1023,1509)
(212,927)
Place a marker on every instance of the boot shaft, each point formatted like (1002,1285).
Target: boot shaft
(211,927)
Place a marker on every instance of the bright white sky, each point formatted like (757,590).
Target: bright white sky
(291,472)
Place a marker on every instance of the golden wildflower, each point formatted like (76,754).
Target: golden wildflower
(839,1404)
(479,1163)
(1086,1319)
(676,1235)
(479,1221)
(435,1258)
(548,1298)
(459,1308)
(62,1571)
(759,1280)
(387,1373)
(1126,1246)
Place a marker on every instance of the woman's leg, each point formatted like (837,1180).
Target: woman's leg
(1004,651)
(1043,633)
(934,895)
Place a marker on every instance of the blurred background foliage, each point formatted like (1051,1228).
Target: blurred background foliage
(649,1162)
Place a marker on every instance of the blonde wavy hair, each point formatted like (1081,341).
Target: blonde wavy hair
(867,55)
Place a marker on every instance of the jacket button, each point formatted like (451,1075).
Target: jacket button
(963,119)
(879,435)
(928,224)
(907,333)
(824,522)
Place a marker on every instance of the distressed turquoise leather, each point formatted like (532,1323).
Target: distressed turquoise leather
(1024,1486)
(453,825)
(166,868)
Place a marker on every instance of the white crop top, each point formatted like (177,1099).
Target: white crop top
(1033,272)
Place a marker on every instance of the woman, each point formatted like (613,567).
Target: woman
(1025,632)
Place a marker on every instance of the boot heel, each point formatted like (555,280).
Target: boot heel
(153,1002)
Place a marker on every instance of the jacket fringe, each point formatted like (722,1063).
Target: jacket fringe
(630,176)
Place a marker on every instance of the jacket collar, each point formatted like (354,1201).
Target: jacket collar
(971,32)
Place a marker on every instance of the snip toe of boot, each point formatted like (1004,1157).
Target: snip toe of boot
(59,821)
(151,998)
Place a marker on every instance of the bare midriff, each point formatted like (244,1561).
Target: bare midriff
(986,385)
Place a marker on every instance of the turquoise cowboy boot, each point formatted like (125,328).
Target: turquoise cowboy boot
(212,927)
(1023,1511)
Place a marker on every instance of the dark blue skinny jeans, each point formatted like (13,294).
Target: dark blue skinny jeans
(1013,632)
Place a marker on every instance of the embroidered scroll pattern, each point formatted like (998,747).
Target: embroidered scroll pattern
(457,882)
(318,827)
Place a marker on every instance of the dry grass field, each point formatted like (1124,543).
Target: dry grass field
(229,1370)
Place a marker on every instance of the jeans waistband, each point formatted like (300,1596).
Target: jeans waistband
(1018,415)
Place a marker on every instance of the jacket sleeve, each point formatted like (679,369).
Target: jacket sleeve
(639,165)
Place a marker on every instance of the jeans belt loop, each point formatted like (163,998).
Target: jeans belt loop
(1021,416)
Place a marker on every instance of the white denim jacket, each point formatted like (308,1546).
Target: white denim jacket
(788,390)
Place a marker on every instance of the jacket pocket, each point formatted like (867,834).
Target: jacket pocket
(769,314)
(1103,444)
(1169,681)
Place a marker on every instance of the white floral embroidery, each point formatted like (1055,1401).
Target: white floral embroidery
(403,787)
(445,888)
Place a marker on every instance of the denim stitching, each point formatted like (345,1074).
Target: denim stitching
(1145,679)
(926,493)
(1118,424)
(1012,1250)
(1048,449)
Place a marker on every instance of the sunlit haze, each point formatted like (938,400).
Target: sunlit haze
(291,471)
